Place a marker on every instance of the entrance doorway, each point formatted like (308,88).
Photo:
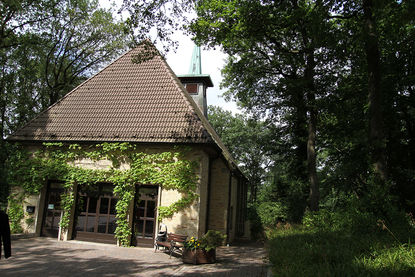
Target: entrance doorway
(96,214)
(145,205)
(53,210)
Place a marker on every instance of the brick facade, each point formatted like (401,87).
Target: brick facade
(191,221)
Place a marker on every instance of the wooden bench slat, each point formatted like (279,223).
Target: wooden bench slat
(173,241)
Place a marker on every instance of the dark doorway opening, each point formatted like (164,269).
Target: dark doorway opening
(145,214)
(53,210)
(96,213)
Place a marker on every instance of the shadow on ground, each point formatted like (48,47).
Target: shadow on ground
(231,261)
(48,257)
(43,257)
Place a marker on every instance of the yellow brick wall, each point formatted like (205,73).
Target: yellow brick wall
(233,208)
(219,187)
(190,222)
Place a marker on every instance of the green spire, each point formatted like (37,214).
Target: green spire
(196,62)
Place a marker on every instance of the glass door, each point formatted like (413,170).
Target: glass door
(96,214)
(53,210)
(145,215)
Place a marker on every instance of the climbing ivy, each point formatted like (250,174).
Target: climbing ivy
(58,161)
(15,212)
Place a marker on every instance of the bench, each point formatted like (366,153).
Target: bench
(172,243)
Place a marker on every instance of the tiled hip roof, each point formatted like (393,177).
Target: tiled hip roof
(126,101)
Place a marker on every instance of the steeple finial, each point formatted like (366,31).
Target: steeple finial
(196,62)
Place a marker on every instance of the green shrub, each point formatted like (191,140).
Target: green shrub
(209,241)
(350,239)
(315,252)
(296,200)
(271,213)
(350,221)
(212,239)
(354,216)
(257,231)
(398,260)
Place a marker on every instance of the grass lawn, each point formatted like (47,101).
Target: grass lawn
(297,251)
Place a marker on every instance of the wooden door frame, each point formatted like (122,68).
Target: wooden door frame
(94,236)
(136,198)
(45,205)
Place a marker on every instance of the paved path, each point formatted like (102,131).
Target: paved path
(48,257)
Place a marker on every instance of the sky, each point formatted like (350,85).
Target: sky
(212,62)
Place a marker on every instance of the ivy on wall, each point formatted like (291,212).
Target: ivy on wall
(15,212)
(58,161)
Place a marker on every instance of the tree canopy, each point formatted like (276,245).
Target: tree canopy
(244,137)
(328,84)
(333,78)
(55,46)
(46,49)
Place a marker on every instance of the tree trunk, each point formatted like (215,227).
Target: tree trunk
(3,98)
(4,188)
(310,92)
(314,196)
(410,127)
(255,179)
(300,134)
(53,96)
(376,135)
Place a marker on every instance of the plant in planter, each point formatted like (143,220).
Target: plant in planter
(203,250)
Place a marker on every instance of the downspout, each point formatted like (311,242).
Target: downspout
(208,194)
(160,190)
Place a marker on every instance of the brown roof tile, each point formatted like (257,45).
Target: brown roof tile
(126,101)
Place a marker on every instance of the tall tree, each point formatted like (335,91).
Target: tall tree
(46,49)
(78,42)
(54,56)
(244,137)
(277,66)
(372,51)
(374,94)
(21,16)
(334,77)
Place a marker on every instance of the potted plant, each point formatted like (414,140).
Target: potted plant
(203,250)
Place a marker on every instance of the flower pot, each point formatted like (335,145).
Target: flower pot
(199,256)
